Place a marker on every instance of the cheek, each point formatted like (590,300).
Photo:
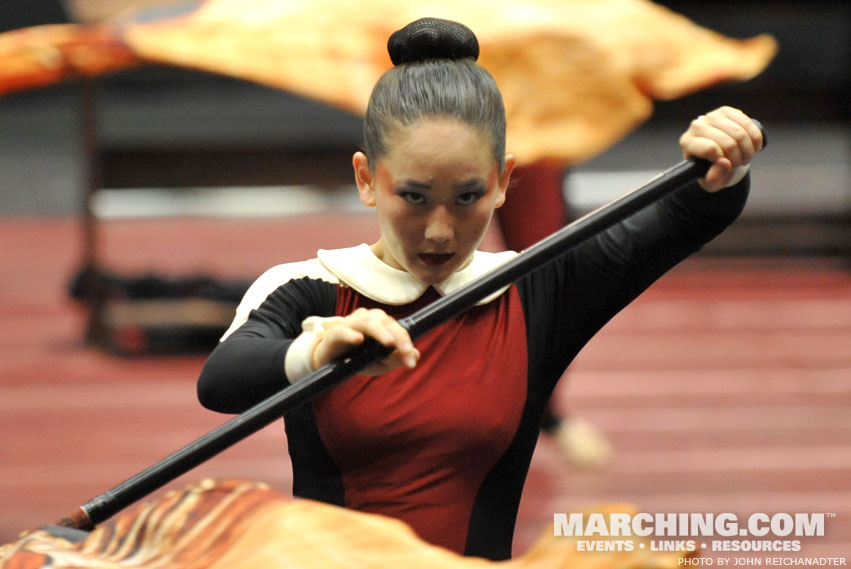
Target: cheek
(383,180)
(481,217)
(399,230)
(397,224)
(388,208)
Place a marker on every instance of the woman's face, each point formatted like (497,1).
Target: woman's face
(435,192)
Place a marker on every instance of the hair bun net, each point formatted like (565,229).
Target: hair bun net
(432,38)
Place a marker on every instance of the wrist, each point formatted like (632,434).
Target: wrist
(300,360)
(738,175)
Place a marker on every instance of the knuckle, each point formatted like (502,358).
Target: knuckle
(731,147)
(382,316)
(741,136)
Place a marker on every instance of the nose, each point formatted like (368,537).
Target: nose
(440,226)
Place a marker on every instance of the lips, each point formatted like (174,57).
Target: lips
(435,259)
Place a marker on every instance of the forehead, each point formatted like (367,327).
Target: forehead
(439,143)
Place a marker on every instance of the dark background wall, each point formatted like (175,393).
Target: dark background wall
(809,79)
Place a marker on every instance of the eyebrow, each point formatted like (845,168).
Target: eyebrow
(470,184)
(414,184)
(475,182)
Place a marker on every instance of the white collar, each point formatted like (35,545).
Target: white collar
(359,268)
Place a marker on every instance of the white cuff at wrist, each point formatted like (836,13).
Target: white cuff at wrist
(298,362)
(738,175)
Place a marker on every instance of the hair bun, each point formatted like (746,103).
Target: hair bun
(432,38)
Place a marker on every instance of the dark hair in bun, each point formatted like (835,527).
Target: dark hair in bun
(435,75)
(430,38)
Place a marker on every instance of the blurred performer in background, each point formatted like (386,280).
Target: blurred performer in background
(539,187)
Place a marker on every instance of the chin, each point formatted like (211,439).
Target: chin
(433,276)
(430,278)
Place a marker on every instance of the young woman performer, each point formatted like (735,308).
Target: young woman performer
(440,434)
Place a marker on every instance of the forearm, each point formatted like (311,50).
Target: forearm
(253,360)
(700,216)
(608,271)
(241,372)
(656,239)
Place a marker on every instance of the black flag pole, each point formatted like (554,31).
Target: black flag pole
(264,413)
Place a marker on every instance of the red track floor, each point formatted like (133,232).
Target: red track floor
(725,388)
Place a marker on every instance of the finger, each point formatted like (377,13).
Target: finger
(336,342)
(751,137)
(345,336)
(732,135)
(375,324)
(384,329)
(371,323)
(718,175)
(757,135)
(409,359)
(712,138)
(387,332)
(753,127)
(401,337)
(393,361)
(696,142)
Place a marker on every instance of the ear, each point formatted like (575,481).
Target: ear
(363,179)
(504,179)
